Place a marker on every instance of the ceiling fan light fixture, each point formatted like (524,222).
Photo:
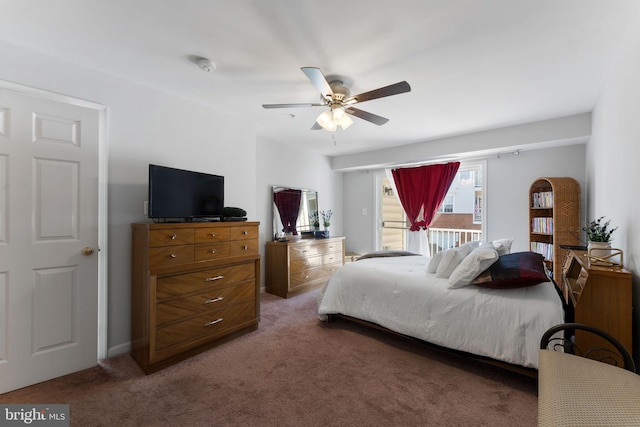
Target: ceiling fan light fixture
(331,126)
(335,95)
(331,119)
(338,114)
(345,122)
(326,121)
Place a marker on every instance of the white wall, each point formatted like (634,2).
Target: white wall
(288,166)
(546,133)
(359,194)
(612,163)
(508,180)
(144,126)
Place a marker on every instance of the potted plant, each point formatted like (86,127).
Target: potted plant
(315,220)
(599,231)
(326,222)
(599,234)
(326,218)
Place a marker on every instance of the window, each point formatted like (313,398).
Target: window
(459,218)
(447,203)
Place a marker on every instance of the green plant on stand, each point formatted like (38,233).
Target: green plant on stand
(599,235)
(599,231)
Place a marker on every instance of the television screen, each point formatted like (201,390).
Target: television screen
(181,194)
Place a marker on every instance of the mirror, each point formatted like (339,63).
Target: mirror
(293,210)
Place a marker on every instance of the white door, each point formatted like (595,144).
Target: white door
(48,230)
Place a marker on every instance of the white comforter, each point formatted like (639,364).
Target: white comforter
(400,295)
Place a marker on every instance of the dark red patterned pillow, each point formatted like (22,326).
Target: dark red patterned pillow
(516,270)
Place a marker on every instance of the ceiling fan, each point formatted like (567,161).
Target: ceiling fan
(336,96)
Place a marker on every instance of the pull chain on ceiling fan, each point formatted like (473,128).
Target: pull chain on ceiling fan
(337,97)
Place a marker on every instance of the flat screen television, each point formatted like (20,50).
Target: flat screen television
(177,194)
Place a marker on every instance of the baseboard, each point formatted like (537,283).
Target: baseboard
(119,349)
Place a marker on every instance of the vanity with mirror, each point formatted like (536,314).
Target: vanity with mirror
(296,261)
(293,212)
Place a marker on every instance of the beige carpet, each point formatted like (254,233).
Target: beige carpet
(297,371)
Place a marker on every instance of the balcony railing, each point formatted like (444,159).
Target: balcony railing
(441,239)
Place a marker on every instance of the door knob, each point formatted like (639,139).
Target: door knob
(87,251)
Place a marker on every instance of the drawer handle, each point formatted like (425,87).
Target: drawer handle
(213,322)
(213,251)
(213,234)
(245,232)
(172,255)
(209,301)
(304,250)
(211,279)
(174,236)
(245,247)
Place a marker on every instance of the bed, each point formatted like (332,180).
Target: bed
(498,310)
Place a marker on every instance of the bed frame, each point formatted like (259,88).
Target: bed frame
(529,372)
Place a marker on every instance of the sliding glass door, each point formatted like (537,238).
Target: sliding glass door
(459,219)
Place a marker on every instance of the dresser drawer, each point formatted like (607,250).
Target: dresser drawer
(165,256)
(209,251)
(213,234)
(243,232)
(298,264)
(314,249)
(183,284)
(243,247)
(301,277)
(177,309)
(188,292)
(207,325)
(170,236)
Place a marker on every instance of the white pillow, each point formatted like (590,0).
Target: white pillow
(452,260)
(466,248)
(475,263)
(449,261)
(435,260)
(503,246)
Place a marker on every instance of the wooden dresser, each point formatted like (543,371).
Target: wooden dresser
(193,286)
(601,297)
(301,265)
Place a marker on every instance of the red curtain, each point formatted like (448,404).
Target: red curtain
(422,189)
(288,203)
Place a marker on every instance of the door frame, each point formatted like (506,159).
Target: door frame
(103,111)
(379,176)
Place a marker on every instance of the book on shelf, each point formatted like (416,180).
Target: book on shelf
(544,249)
(543,199)
(543,225)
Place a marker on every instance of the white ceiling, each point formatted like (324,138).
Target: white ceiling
(472,65)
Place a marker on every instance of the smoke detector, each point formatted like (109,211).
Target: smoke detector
(206,65)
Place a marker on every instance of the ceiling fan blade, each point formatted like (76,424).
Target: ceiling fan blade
(319,81)
(394,89)
(364,115)
(316,126)
(290,105)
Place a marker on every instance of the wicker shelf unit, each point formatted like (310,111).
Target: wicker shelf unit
(554,219)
